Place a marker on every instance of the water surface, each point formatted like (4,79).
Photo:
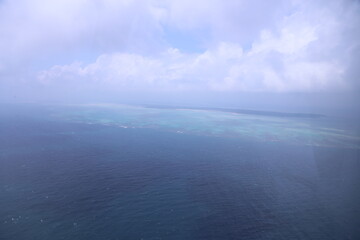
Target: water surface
(124,172)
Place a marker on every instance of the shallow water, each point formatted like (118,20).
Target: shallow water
(63,178)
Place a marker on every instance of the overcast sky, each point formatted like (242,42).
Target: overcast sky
(52,50)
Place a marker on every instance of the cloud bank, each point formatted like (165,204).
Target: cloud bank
(213,45)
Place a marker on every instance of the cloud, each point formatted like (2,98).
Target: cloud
(268,66)
(35,29)
(249,46)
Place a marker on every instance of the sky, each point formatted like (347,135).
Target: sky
(246,53)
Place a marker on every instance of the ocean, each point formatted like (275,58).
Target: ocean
(134,172)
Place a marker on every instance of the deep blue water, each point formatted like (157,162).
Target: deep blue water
(63,180)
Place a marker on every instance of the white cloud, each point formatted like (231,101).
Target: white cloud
(225,68)
(33,29)
(275,46)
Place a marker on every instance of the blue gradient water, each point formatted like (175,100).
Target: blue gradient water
(64,180)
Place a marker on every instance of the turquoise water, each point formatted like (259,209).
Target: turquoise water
(134,173)
(324,131)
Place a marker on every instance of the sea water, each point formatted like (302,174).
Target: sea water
(136,173)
